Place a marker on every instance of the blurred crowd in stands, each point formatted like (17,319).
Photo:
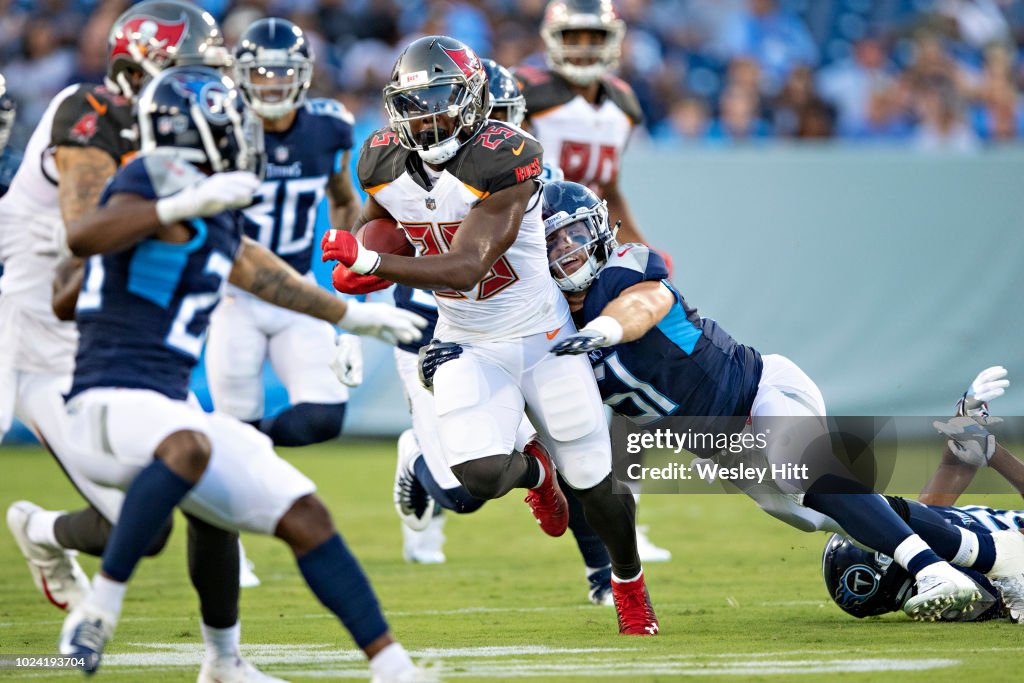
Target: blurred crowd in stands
(933,74)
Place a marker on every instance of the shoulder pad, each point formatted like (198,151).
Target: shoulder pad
(499,156)
(542,89)
(381,159)
(622,95)
(633,256)
(322,106)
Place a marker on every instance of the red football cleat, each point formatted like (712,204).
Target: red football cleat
(633,604)
(547,502)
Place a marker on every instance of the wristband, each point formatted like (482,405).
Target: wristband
(606,326)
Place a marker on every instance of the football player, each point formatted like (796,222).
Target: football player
(655,357)
(464,190)
(584,116)
(421,467)
(160,248)
(866,583)
(308,145)
(84,134)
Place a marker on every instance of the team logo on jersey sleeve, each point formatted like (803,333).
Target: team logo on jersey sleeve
(85,127)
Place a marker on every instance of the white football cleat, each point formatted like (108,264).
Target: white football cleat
(232,670)
(647,550)
(246,576)
(427,546)
(55,571)
(86,631)
(413,504)
(942,593)
(1007,573)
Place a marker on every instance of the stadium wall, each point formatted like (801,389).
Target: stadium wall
(891,278)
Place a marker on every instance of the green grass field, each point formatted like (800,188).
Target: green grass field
(742,598)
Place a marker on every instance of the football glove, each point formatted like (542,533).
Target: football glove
(342,246)
(431,357)
(990,384)
(602,331)
(347,363)
(969,440)
(348,282)
(389,324)
(208,197)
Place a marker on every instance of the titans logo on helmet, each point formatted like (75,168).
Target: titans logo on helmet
(858,583)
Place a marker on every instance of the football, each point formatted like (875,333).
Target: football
(384,236)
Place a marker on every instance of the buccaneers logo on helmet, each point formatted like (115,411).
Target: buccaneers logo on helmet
(149,36)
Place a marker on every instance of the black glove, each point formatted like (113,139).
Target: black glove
(432,356)
(581,342)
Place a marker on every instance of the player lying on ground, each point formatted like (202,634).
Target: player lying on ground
(655,357)
(464,188)
(81,139)
(159,251)
(866,583)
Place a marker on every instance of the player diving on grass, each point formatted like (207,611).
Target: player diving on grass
(160,249)
(865,583)
(654,357)
(464,189)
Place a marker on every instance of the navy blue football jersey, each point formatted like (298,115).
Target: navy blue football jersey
(299,163)
(143,312)
(421,303)
(9,162)
(685,366)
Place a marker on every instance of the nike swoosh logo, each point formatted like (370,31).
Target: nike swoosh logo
(516,151)
(624,250)
(553,333)
(101,108)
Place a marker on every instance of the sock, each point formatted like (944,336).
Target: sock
(866,517)
(955,544)
(589,543)
(222,643)
(337,580)
(148,503)
(611,512)
(390,662)
(86,531)
(213,568)
(107,595)
(616,579)
(40,528)
(304,424)
(913,554)
(456,499)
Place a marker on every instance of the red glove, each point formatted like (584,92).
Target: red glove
(347,282)
(342,246)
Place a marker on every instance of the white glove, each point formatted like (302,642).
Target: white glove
(208,197)
(969,440)
(989,384)
(384,321)
(347,363)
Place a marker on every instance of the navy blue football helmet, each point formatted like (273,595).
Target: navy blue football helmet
(861,582)
(197,114)
(507,103)
(8,110)
(273,67)
(579,239)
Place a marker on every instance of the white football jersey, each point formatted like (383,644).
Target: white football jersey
(585,140)
(517,297)
(32,236)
